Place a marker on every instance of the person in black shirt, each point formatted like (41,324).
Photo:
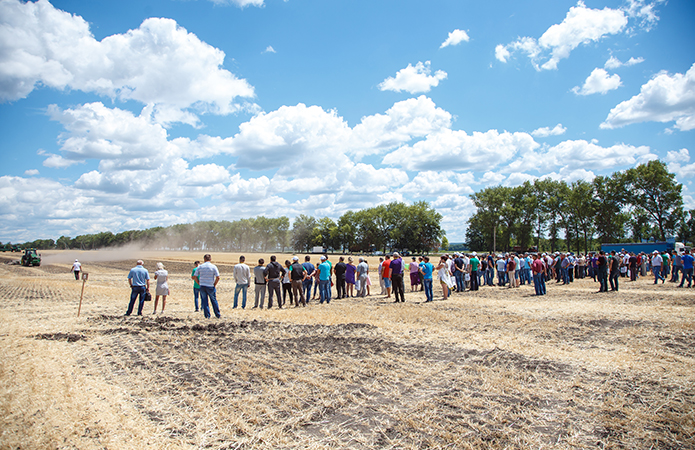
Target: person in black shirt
(614,261)
(274,273)
(298,275)
(602,272)
(340,270)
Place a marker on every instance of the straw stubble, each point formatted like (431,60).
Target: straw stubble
(494,369)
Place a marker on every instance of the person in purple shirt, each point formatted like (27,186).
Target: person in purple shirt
(397,278)
(687,260)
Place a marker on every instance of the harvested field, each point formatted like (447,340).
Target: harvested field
(498,368)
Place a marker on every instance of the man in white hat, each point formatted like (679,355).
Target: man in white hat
(657,260)
(475,265)
(76,268)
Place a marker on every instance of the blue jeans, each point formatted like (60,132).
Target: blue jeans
(542,281)
(537,283)
(427,283)
(687,274)
(196,294)
(306,285)
(460,285)
(602,275)
(209,292)
(134,292)
(527,275)
(324,290)
(243,288)
(474,280)
(657,273)
(490,276)
(613,280)
(565,275)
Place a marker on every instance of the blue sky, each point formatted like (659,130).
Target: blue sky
(121,115)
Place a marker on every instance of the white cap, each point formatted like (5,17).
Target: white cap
(294,258)
(323,258)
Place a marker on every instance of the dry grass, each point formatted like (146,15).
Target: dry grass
(494,369)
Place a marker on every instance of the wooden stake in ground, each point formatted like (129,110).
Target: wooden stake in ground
(84,280)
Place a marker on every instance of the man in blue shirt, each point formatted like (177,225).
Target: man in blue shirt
(207,277)
(139,280)
(687,261)
(426,270)
(309,280)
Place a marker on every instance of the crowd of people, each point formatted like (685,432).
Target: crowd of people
(299,283)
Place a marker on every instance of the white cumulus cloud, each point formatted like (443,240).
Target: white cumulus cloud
(598,82)
(582,25)
(664,98)
(239,3)
(457,150)
(159,63)
(614,63)
(455,38)
(414,80)
(557,130)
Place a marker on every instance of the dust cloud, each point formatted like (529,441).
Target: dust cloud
(87,256)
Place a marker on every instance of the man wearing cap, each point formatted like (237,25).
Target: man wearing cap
(76,268)
(396,268)
(324,280)
(475,265)
(298,275)
(139,280)
(657,261)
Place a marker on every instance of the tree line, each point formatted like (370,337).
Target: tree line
(641,203)
(396,226)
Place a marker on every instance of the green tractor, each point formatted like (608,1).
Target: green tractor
(31,258)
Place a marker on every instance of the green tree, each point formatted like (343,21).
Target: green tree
(610,219)
(489,203)
(445,244)
(581,208)
(652,188)
(302,232)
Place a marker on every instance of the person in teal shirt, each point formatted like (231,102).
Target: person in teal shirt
(475,263)
(426,269)
(324,281)
(196,286)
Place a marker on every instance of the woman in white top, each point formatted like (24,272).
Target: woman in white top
(445,277)
(162,278)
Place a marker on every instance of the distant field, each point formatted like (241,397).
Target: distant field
(495,369)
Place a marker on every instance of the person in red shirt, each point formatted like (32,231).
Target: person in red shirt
(538,269)
(386,274)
